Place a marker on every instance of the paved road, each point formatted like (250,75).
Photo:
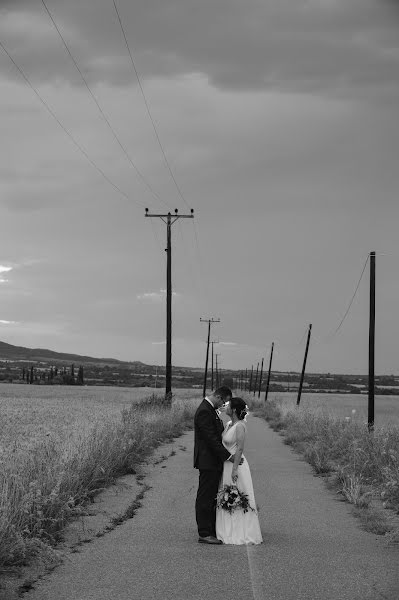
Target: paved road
(313,547)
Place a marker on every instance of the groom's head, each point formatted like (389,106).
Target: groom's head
(221,395)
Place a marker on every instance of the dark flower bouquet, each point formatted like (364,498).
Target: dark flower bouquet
(230,498)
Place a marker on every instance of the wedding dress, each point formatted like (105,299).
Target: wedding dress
(237,527)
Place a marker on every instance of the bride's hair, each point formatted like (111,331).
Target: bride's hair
(239,405)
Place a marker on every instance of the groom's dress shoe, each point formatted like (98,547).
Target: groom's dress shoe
(209,539)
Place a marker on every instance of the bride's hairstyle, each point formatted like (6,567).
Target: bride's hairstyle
(239,405)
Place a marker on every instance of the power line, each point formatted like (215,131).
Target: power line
(143,179)
(78,146)
(148,108)
(303,337)
(353,297)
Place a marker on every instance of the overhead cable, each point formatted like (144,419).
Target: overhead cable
(143,179)
(148,108)
(351,302)
(78,146)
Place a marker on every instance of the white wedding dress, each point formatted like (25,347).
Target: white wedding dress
(237,527)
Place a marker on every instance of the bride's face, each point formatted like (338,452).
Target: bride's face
(229,412)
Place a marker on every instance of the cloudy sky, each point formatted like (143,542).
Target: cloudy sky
(279,122)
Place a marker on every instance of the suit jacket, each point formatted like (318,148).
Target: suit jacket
(209,452)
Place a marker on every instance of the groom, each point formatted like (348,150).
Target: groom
(209,456)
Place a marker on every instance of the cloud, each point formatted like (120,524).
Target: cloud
(4,322)
(154,297)
(309,45)
(158,343)
(228,344)
(4,269)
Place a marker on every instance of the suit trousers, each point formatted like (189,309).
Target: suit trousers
(205,504)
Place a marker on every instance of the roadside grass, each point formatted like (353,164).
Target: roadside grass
(46,484)
(362,467)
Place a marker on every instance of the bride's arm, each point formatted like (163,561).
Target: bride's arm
(240,432)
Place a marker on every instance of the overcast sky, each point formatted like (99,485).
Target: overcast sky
(280,123)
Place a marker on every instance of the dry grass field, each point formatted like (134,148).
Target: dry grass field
(29,414)
(342,406)
(59,446)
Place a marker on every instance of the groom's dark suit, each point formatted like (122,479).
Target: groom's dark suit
(209,456)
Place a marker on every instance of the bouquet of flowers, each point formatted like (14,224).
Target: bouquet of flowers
(230,498)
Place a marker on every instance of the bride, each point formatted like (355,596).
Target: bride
(237,527)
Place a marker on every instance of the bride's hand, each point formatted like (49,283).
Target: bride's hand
(234,476)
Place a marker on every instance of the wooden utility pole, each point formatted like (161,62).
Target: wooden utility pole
(270,368)
(212,369)
(304,366)
(250,380)
(256,378)
(217,370)
(370,420)
(212,362)
(169,220)
(209,321)
(260,379)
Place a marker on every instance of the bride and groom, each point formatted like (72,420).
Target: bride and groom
(218,455)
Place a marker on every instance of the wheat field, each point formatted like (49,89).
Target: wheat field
(59,446)
(31,413)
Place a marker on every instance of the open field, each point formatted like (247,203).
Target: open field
(59,446)
(31,413)
(341,405)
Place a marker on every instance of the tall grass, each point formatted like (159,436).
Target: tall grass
(365,465)
(44,485)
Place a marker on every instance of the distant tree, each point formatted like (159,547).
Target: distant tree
(31,375)
(80,380)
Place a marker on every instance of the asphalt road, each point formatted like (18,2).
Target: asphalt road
(313,547)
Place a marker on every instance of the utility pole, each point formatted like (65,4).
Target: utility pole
(209,321)
(370,420)
(260,379)
(212,362)
(304,366)
(250,380)
(169,220)
(270,368)
(256,378)
(217,370)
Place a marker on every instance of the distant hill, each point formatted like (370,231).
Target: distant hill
(10,352)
